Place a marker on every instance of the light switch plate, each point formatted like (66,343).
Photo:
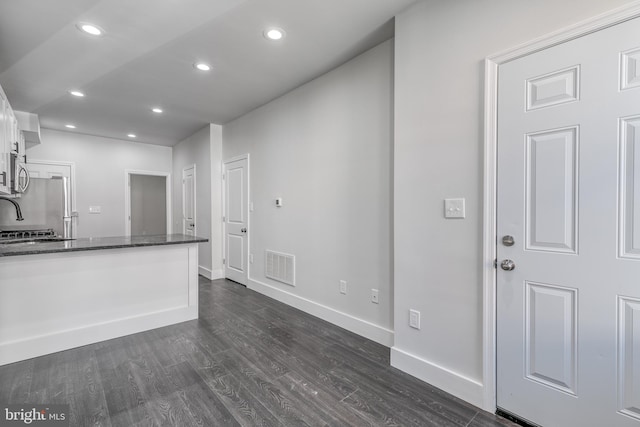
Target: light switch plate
(454,208)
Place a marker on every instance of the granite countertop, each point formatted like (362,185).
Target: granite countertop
(94,243)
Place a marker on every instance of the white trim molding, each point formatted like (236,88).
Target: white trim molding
(346,321)
(492,64)
(210,274)
(452,382)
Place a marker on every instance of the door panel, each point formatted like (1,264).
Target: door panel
(552,196)
(235,220)
(558,87)
(630,187)
(235,260)
(630,69)
(235,213)
(568,188)
(629,353)
(551,336)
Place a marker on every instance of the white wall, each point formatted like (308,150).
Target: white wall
(195,150)
(326,149)
(440,48)
(216,200)
(100,174)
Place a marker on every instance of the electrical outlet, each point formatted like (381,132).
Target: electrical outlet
(414,319)
(251,258)
(374,296)
(343,287)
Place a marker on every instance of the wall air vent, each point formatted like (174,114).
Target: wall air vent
(280,267)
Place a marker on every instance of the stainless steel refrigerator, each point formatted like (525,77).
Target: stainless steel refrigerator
(45,205)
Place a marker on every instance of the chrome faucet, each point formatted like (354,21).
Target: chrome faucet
(18,211)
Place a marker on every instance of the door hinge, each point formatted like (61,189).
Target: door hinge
(495,264)
(224,218)
(224,261)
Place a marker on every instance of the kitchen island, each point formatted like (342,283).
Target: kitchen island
(59,295)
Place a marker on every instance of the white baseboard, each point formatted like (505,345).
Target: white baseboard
(445,379)
(36,346)
(210,274)
(356,325)
(204,271)
(217,274)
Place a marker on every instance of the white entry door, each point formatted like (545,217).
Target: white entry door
(235,220)
(189,200)
(568,288)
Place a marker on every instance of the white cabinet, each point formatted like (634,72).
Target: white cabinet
(5,146)
(12,144)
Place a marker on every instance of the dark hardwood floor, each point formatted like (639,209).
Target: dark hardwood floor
(248,360)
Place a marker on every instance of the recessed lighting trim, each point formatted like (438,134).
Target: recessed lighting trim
(202,66)
(76,93)
(156,110)
(90,29)
(131,135)
(70,126)
(274,34)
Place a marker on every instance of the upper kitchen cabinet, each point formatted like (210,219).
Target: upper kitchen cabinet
(12,145)
(5,145)
(29,125)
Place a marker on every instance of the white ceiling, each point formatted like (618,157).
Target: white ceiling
(146,58)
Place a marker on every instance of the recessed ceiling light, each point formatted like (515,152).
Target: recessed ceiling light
(92,29)
(274,33)
(70,126)
(131,135)
(156,110)
(202,66)
(76,93)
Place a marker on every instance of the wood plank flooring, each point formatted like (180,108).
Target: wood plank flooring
(248,361)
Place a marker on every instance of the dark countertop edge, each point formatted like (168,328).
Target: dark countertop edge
(40,249)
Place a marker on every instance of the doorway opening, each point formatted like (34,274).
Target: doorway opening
(147,203)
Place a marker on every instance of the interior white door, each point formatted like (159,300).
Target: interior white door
(189,200)
(568,313)
(235,220)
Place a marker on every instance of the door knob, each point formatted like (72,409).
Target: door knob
(243,230)
(507,265)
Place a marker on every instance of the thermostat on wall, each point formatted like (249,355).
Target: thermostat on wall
(279,202)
